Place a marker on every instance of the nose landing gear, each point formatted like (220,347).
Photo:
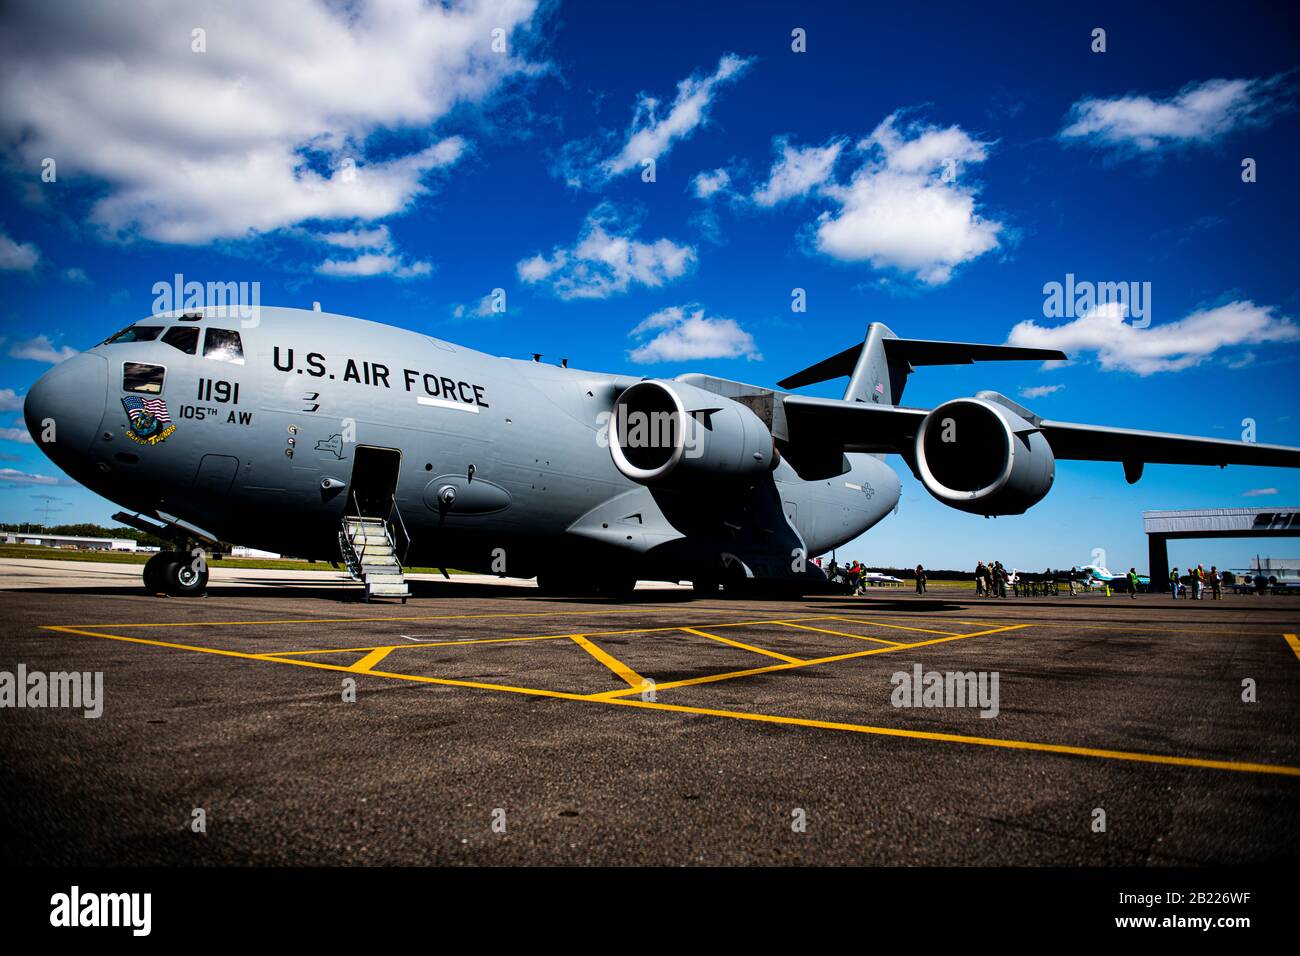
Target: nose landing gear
(176,574)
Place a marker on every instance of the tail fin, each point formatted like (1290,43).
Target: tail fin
(878,368)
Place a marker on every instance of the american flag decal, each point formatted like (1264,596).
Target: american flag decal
(150,421)
(880,389)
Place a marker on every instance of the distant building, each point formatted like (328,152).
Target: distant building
(1164,526)
(43,540)
(239,551)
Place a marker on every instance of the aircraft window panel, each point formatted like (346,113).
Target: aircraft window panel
(185,339)
(224,346)
(135,333)
(139,377)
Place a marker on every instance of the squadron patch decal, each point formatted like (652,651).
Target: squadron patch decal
(149,421)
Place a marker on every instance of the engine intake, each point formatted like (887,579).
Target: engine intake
(661,430)
(978,456)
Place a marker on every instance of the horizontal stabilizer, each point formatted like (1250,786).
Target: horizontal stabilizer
(917,352)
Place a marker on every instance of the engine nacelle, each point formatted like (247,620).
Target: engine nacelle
(661,430)
(978,456)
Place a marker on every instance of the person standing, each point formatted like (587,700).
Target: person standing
(1216,583)
(1133,583)
(1198,578)
(979,579)
(1173,583)
(1074,581)
(920,579)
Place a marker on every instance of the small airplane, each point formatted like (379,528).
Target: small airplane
(332,438)
(1097,576)
(876,578)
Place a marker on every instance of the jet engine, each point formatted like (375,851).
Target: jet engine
(661,430)
(979,456)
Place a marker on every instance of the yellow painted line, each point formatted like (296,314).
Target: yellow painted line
(744,647)
(414,645)
(613,663)
(371,659)
(773,668)
(1064,749)
(1242,766)
(898,627)
(713,625)
(860,637)
(1295,644)
(375,620)
(200,649)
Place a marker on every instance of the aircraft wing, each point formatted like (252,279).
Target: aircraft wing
(880,429)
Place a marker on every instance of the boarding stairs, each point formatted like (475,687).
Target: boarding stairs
(371,555)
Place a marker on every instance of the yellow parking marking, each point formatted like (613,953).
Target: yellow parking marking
(1295,644)
(1241,766)
(371,659)
(744,647)
(415,644)
(898,627)
(773,668)
(1029,745)
(860,637)
(377,620)
(613,663)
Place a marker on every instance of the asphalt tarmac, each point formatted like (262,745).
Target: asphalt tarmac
(491,725)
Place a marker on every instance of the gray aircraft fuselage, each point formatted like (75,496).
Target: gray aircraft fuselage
(259,450)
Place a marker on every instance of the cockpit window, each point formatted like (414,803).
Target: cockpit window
(134,333)
(224,346)
(185,339)
(138,377)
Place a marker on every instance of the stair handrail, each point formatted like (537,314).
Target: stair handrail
(406,537)
(361,558)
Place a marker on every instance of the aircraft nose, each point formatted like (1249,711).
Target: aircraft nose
(63,409)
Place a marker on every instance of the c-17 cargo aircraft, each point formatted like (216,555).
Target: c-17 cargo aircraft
(338,439)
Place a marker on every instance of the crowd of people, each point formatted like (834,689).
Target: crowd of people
(1197,580)
(993,580)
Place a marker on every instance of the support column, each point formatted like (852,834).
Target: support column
(1158,561)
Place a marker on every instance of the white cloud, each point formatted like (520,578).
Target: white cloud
(1198,113)
(710,182)
(798,171)
(906,207)
(40,349)
(377,238)
(1258,492)
(20,435)
(479,310)
(1038,391)
(267,128)
(17,256)
(373,264)
(76,276)
(651,135)
(685,333)
(15,477)
(607,259)
(10,401)
(376,255)
(1170,347)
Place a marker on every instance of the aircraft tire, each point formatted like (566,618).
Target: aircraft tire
(180,579)
(152,573)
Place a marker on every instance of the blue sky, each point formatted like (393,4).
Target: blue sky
(931,167)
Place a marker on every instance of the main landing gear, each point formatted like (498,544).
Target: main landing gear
(176,574)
